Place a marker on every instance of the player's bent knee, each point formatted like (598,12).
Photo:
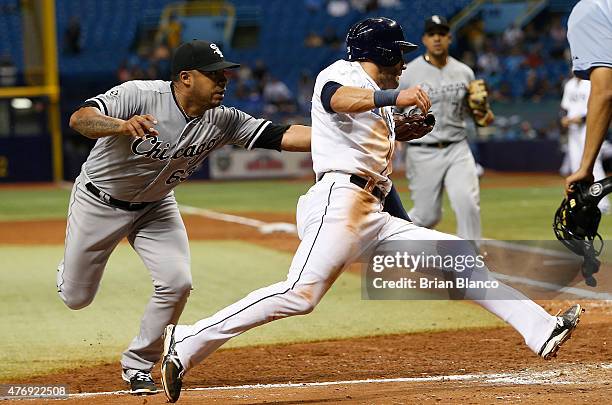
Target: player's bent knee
(184,289)
(427,220)
(305,307)
(305,301)
(179,286)
(77,300)
(182,285)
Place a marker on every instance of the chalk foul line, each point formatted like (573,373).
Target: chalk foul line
(525,377)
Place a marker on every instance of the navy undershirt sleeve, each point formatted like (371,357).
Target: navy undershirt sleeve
(327,93)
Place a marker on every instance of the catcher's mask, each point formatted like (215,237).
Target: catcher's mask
(576,222)
(380,40)
(576,227)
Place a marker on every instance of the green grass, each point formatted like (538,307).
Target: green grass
(40,334)
(507,213)
(245,196)
(517,213)
(33,204)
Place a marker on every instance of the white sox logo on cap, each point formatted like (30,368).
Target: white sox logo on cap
(216,49)
(436,19)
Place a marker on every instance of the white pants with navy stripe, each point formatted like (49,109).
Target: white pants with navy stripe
(337,221)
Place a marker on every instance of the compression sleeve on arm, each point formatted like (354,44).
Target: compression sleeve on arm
(271,137)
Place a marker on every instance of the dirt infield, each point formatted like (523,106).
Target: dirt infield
(464,366)
(582,372)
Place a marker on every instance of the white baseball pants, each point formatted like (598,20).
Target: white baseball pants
(337,221)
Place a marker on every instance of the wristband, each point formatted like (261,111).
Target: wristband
(383,98)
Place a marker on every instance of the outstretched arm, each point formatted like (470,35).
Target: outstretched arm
(90,122)
(598,121)
(296,139)
(347,99)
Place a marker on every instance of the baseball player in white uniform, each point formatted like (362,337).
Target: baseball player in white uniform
(442,160)
(341,215)
(574,111)
(589,33)
(151,136)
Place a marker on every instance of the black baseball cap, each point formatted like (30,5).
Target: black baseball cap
(436,23)
(199,55)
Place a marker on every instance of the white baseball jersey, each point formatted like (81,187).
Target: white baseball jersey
(589,33)
(575,98)
(356,143)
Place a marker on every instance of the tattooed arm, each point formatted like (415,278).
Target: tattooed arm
(90,122)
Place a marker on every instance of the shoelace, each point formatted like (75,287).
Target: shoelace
(142,376)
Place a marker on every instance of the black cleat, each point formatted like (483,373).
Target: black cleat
(566,323)
(171,368)
(140,382)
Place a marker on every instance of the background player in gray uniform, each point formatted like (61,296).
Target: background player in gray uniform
(442,159)
(589,33)
(152,135)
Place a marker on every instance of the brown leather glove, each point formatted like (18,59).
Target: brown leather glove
(412,126)
(478,101)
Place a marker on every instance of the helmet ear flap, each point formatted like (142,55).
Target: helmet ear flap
(390,56)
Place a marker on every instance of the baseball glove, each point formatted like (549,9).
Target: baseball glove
(478,101)
(576,221)
(409,126)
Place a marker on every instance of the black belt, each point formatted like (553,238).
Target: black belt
(437,145)
(124,205)
(363,184)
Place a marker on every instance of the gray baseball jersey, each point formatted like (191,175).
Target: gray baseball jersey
(144,170)
(446,88)
(589,33)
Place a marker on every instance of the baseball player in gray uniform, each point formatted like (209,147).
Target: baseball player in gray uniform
(341,216)
(589,33)
(442,159)
(151,136)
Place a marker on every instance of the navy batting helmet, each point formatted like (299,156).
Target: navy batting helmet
(380,40)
